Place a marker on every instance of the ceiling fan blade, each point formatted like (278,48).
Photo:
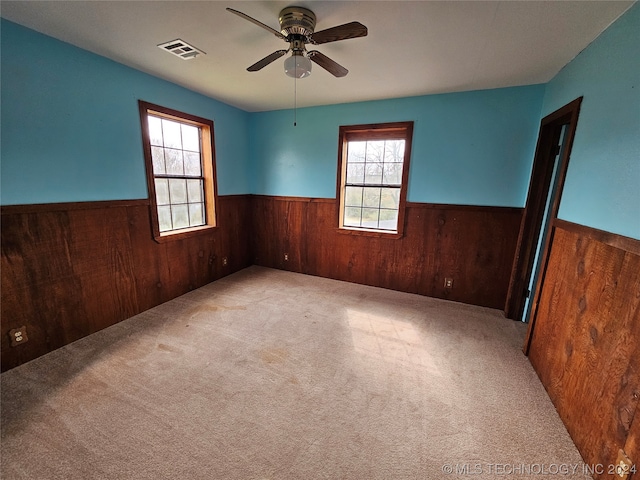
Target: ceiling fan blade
(266,60)
(256,22)
(329,65)
(341,32)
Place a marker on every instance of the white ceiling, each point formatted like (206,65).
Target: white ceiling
(413,48)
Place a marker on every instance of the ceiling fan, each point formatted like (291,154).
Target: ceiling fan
(296,28)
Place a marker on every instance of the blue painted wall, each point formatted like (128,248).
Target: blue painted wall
(71,130)
(602,188)
(473,148)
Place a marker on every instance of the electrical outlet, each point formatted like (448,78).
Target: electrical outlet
(624,466)
(18,336)
(448,283)
(286,257)
(225,261)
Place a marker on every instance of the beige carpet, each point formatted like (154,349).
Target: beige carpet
(267,374)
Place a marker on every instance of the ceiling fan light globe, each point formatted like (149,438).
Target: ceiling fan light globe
(297,66)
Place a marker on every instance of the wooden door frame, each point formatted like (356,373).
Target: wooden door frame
(531,225)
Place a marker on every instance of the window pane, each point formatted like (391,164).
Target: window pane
(371,197)
(178,190)
(375,151)
(162,191)
(192,164)
(155,130)
(171,134)
(173,160)
(194,190)
(190,138)
(390,198)
(196,216)
(353,197)
(180,216)
(352,216)
(164,218)
(394,151)
(355,173)
(389,219)
(373,173)
(370,217)
(356,151)
(392,174)
(157,155)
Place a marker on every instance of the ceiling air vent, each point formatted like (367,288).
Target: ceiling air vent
(181,49)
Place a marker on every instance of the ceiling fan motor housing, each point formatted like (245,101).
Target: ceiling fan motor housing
(297,21)
(297,28)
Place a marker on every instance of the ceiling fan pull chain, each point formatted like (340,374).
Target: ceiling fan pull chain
(295,101)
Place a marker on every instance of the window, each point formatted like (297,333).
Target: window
(179,155)
(373,169)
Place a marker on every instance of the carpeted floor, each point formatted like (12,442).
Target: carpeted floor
(268,374)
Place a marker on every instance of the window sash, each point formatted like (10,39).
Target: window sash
(383,212)
(191,145)
(195,208)
(362,207)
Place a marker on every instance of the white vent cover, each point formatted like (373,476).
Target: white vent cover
(181,49)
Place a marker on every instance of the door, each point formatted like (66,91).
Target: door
(546,222)
(551,160)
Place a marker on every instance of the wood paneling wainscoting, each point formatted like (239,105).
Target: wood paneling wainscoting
(69,270)
(473,245)
(585,340)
